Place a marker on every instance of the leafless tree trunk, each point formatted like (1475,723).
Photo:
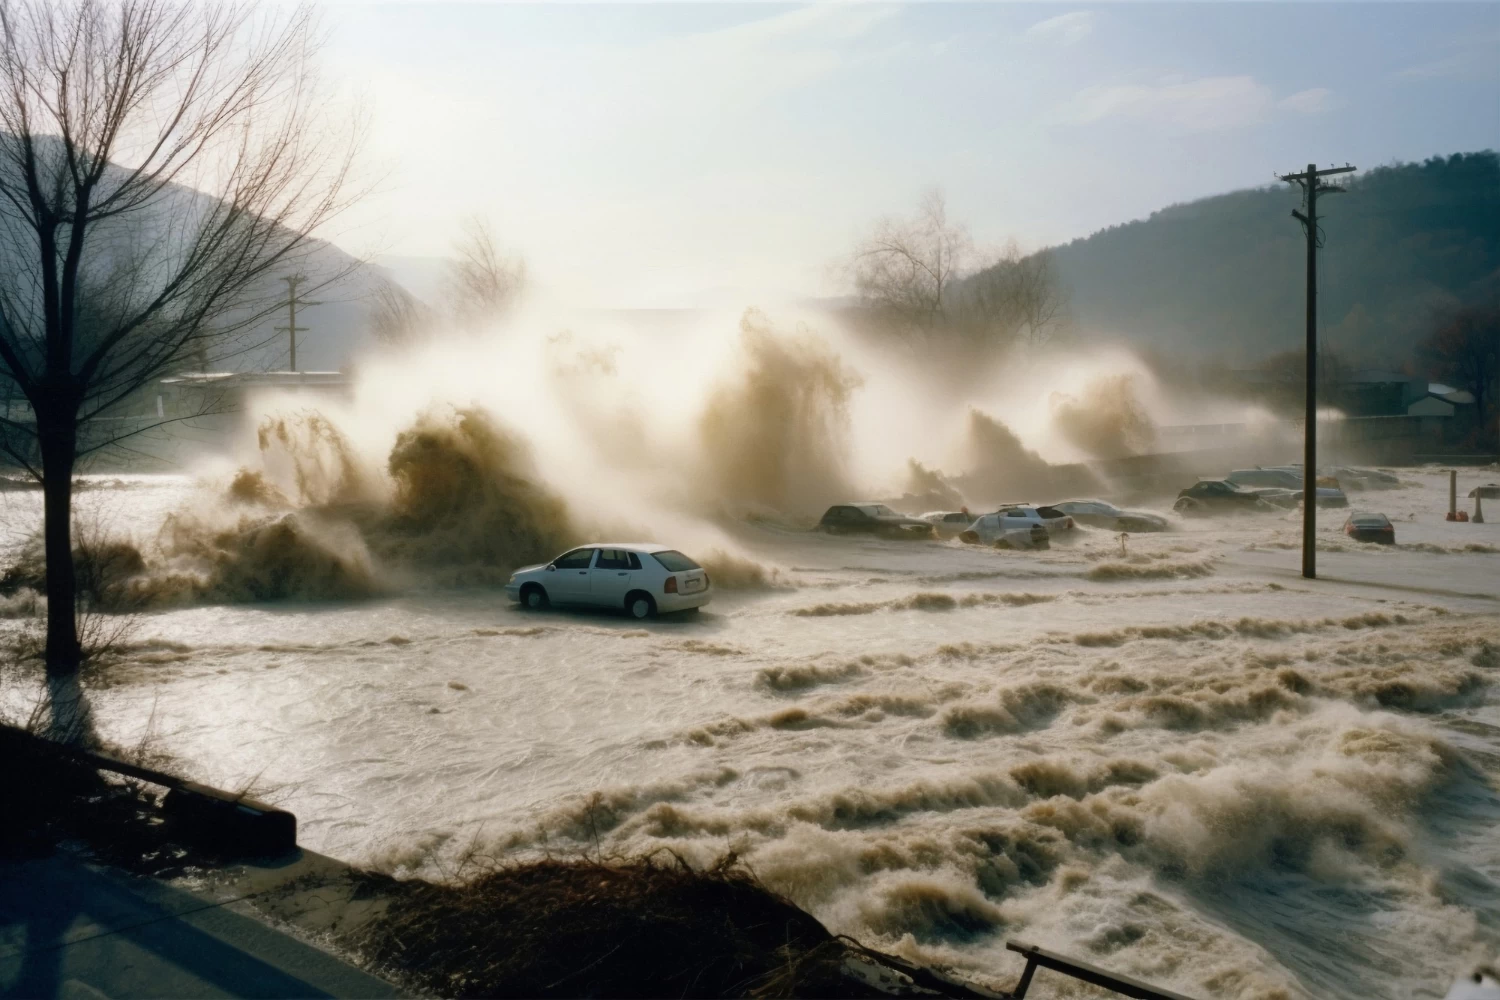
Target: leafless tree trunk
(160,164)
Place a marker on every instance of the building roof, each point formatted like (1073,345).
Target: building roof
(1448,394)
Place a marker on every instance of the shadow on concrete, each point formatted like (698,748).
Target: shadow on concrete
(69,931)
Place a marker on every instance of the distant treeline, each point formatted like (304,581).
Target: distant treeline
(1224,276)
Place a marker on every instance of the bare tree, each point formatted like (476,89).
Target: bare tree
(1015,298)
(396,315)
(1038,297)
(1464,349)
(903,272)
(482,283)
(160,165)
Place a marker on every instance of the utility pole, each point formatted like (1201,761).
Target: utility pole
(1312,184)
(292,302)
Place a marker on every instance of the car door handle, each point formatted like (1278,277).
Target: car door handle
(622,574)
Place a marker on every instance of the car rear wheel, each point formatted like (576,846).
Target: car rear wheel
(1187,505)
(640,604)
(534,597)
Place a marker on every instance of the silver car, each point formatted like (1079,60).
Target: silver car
(640,578)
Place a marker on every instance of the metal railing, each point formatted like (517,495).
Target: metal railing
(1123,985)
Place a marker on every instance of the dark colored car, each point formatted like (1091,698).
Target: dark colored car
(1217,495)
(1364,526)
(873,519)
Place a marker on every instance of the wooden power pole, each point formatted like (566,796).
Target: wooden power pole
(292,302)
(1312,184)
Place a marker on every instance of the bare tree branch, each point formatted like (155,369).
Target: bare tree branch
(903,271)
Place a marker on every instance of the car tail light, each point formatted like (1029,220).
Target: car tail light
(671,586)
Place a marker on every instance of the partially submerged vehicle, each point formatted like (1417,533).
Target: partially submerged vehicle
(1361,479)
(1018,526)
(948,523)
(1103,514)
(993,529)
(1489,491)
(640,578)
(873,519)
(1368,526)
(1214,495)
(1329,493)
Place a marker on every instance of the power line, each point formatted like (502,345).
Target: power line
(1312,184)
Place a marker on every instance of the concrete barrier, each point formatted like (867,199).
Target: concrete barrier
(224,822)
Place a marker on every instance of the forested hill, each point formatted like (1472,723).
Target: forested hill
(1225,276)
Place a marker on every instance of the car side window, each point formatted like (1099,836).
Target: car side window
(577,559)
(612,559)
(633,559)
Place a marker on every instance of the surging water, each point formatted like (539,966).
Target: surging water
(1180,761)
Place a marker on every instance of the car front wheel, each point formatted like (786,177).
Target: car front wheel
(534,597)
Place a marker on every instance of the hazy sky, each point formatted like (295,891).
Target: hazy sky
(671,153)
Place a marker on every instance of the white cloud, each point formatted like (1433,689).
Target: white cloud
(1311,102)
(1064,29)
(1208,103)
(1471,56)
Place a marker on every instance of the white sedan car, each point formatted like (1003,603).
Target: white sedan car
(643,579)
(1010,518)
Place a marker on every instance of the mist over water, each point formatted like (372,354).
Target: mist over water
(1173,759)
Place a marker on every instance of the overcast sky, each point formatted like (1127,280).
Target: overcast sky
(675,153)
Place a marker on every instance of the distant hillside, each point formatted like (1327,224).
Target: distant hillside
(1225,276)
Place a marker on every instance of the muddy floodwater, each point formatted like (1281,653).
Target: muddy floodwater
(1183,762)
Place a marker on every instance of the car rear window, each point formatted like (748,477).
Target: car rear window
(674,561)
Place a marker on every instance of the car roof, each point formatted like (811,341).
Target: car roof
(627,546)
(1367,515)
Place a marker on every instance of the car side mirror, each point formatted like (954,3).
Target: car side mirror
(551,567)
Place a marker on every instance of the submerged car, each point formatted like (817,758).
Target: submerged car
(640,578)
(1102,514)
(948,523)
(993,529)
(1208,495)
(1366,526)
(1361,479)
(1289,478)
(873,519)
(1018,520)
